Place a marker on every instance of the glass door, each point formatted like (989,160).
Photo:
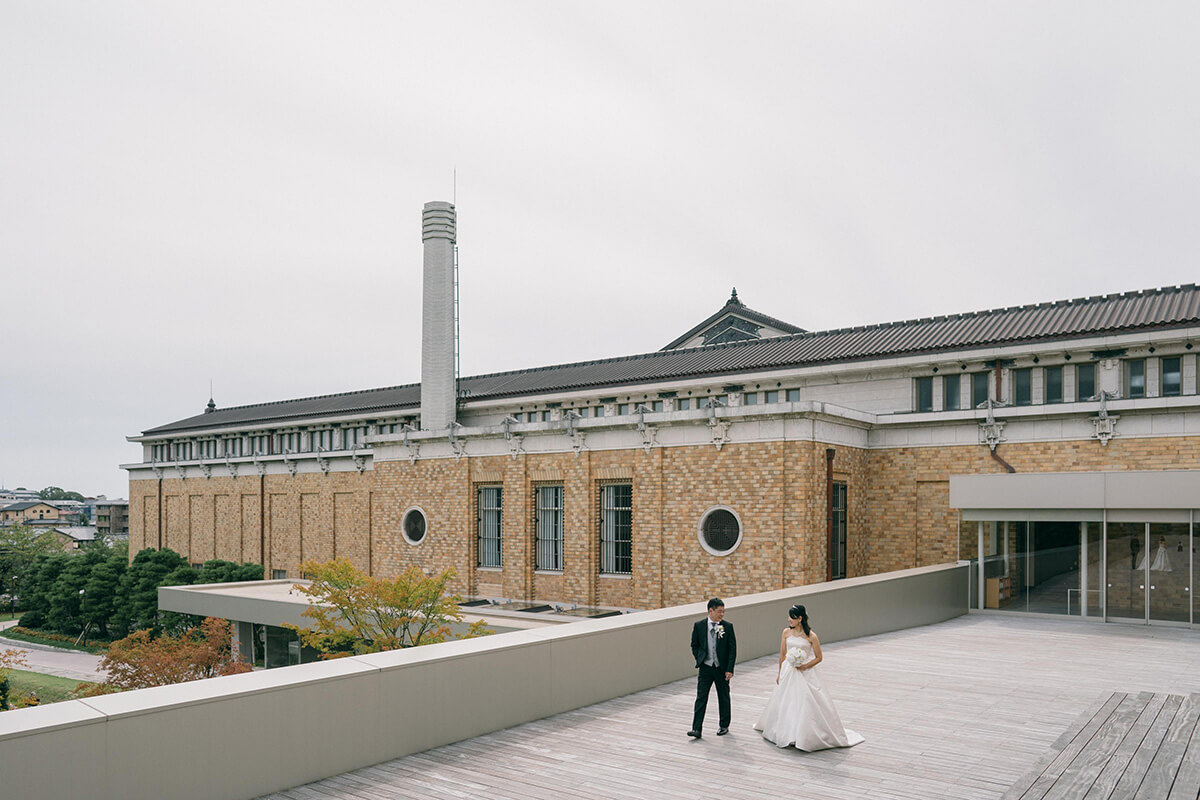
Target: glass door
(1168,572)
(1125,576)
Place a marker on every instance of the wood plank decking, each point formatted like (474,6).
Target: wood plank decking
(958,710)
(1142,745)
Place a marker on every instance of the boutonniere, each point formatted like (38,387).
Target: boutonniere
(720,630)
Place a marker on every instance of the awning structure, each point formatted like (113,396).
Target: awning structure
(1133,496)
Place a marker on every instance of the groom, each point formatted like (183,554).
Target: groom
(715,649)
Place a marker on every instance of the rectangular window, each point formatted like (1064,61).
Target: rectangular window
(287,443)
(321,440)
(583,412)
(657,405)
(599,411)
(1023,386)
(1054,384)
(531,416)
(771,397)
(278,574)
(979,389)
(1172,382)
(684,404)
(952,392)
(490,499)
(233,447)
(616,529)
(751,398)
(183,451)
(259,445)
(924,394)
(1135,378)
(549,512)
(837,555)
(793,395)
(722,400)
(1085,381)
(623,409)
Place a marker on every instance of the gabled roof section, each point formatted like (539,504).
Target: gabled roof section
(733,322)
(1153,309)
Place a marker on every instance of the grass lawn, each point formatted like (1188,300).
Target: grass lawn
(5,616)
(49,688)
(15,636)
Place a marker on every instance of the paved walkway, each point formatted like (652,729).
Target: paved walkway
(957,710)
(72,664)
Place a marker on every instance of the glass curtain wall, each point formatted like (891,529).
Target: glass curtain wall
(1042,567)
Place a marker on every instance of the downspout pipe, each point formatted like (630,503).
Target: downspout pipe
(829,455)
(992,450)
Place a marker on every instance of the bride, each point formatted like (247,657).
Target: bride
(800,712)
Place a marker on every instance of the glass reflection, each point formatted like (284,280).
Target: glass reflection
(1166,562)
(1126,575)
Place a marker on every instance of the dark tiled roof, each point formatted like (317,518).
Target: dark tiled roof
(1171,307)
(27,504)
(735,306)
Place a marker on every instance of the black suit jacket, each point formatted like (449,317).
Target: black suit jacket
(726,645)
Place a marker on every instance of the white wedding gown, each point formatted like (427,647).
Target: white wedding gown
(800,712)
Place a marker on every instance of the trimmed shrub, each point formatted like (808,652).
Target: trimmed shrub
(32,619)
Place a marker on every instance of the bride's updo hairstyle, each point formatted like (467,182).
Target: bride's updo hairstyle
(798,612)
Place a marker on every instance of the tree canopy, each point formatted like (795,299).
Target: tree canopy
(143,659)
(354,612)
(56,493)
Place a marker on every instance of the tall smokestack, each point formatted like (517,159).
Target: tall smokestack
(438,395)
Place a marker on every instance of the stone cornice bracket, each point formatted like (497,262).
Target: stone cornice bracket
(457,445)
(649,432)
(360,462)
(206,468)
(182,470)
(991,432)
(232,467)
(260,465)
(1104,424)
(570,418)
(514,445)
(158,471)
(290,463)
(322,461)
(720,433)
(578,442)
(414,448)
(507,424)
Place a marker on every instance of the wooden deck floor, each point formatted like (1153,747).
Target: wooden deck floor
(960,710)
(1142,745)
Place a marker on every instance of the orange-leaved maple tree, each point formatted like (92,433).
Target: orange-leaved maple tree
(354,612)
(141,659)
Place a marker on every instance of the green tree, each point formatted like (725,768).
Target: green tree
(137,599)
(102,590)
(354,612)
(68,598)
(19,548)
(39,590)
(51,493)
(218,571)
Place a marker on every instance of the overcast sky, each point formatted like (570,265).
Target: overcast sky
(232,191)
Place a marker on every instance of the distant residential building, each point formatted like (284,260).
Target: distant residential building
(18,495)
(75,537)
(29,511)
(112,518)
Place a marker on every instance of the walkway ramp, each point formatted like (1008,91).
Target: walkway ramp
(1142,745)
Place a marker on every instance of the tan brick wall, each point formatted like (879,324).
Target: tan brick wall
(908,518)
(899,514)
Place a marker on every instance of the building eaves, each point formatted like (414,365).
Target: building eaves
(1170,307)
(735,306)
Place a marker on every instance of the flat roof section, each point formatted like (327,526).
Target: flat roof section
(278,602)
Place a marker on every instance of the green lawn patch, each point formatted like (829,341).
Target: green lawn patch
(5,616)
(49,688)
(54,640)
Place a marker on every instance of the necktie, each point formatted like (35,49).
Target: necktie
(712,641)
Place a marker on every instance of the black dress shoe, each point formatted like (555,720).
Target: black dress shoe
(722,731)
(694,734)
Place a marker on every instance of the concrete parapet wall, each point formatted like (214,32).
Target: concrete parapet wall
(247,735)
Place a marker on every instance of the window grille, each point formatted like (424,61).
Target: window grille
(490,502)
(549,527)
(616,529)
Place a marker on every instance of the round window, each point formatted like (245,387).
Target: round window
(720,530)
(414,525)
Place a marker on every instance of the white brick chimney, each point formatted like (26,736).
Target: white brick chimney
(438,391)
